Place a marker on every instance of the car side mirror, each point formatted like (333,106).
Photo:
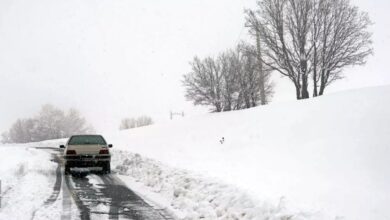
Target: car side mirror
(110,146)
(62,146)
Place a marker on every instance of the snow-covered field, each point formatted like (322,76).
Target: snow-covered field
(27,176)
(323,158)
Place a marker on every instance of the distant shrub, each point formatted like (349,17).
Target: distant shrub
(129,123)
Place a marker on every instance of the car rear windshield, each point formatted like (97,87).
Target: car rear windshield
(87,140)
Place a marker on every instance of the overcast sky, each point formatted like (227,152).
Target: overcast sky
(121,58)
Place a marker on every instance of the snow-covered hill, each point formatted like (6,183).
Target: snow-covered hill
(323,158)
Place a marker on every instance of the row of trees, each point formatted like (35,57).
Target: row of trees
(128,123)
(231,81)
(50,123)
(310,42)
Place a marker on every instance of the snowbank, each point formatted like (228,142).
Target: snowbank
(190,196)
(27,176)
(323,158)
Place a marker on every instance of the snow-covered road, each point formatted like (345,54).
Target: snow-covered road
(80,196)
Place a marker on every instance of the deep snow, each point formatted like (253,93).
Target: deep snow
(322,158)
(27,177)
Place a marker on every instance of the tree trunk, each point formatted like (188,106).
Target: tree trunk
(247,101)
(322,88)
(218,107)
(304,89)
(253,99)
(315,86)
(323,81)
(297,90)
(304,77)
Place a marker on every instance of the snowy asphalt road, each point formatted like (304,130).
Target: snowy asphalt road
(98,197)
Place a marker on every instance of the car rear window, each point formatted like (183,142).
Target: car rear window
(87,140)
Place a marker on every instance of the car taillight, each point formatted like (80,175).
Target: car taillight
(103,151)
(70,152)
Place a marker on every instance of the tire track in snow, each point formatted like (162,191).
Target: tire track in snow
(77,193)
(126,203)
(112,193)
(60,185)
(56,188)
(109,198)
(57,185)
(66,203)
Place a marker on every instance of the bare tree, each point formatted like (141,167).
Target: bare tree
(128,123)
(248,78)
(18,132)
(144,121)
(234,80)
(204,84)
(342,39)
(257,77)
(232,71)
(5,139)
(283,26)
(74,123)
(50,123)
(303,37)
(230,88)
(266,87)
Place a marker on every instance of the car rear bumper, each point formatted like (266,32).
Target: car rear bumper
(86,160)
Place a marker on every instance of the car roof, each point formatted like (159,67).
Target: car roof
(83,135)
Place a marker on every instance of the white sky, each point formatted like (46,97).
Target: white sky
(117,58)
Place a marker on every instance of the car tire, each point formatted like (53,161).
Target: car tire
(67,170)
(106,168)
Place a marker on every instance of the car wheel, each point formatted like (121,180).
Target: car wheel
(67,170)
(106,168)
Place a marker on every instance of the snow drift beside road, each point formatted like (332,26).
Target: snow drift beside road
(27,181)
(326,158)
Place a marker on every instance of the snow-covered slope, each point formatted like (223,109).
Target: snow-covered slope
(326,158)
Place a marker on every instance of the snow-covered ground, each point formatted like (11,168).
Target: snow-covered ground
(27,176)
(323,158)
